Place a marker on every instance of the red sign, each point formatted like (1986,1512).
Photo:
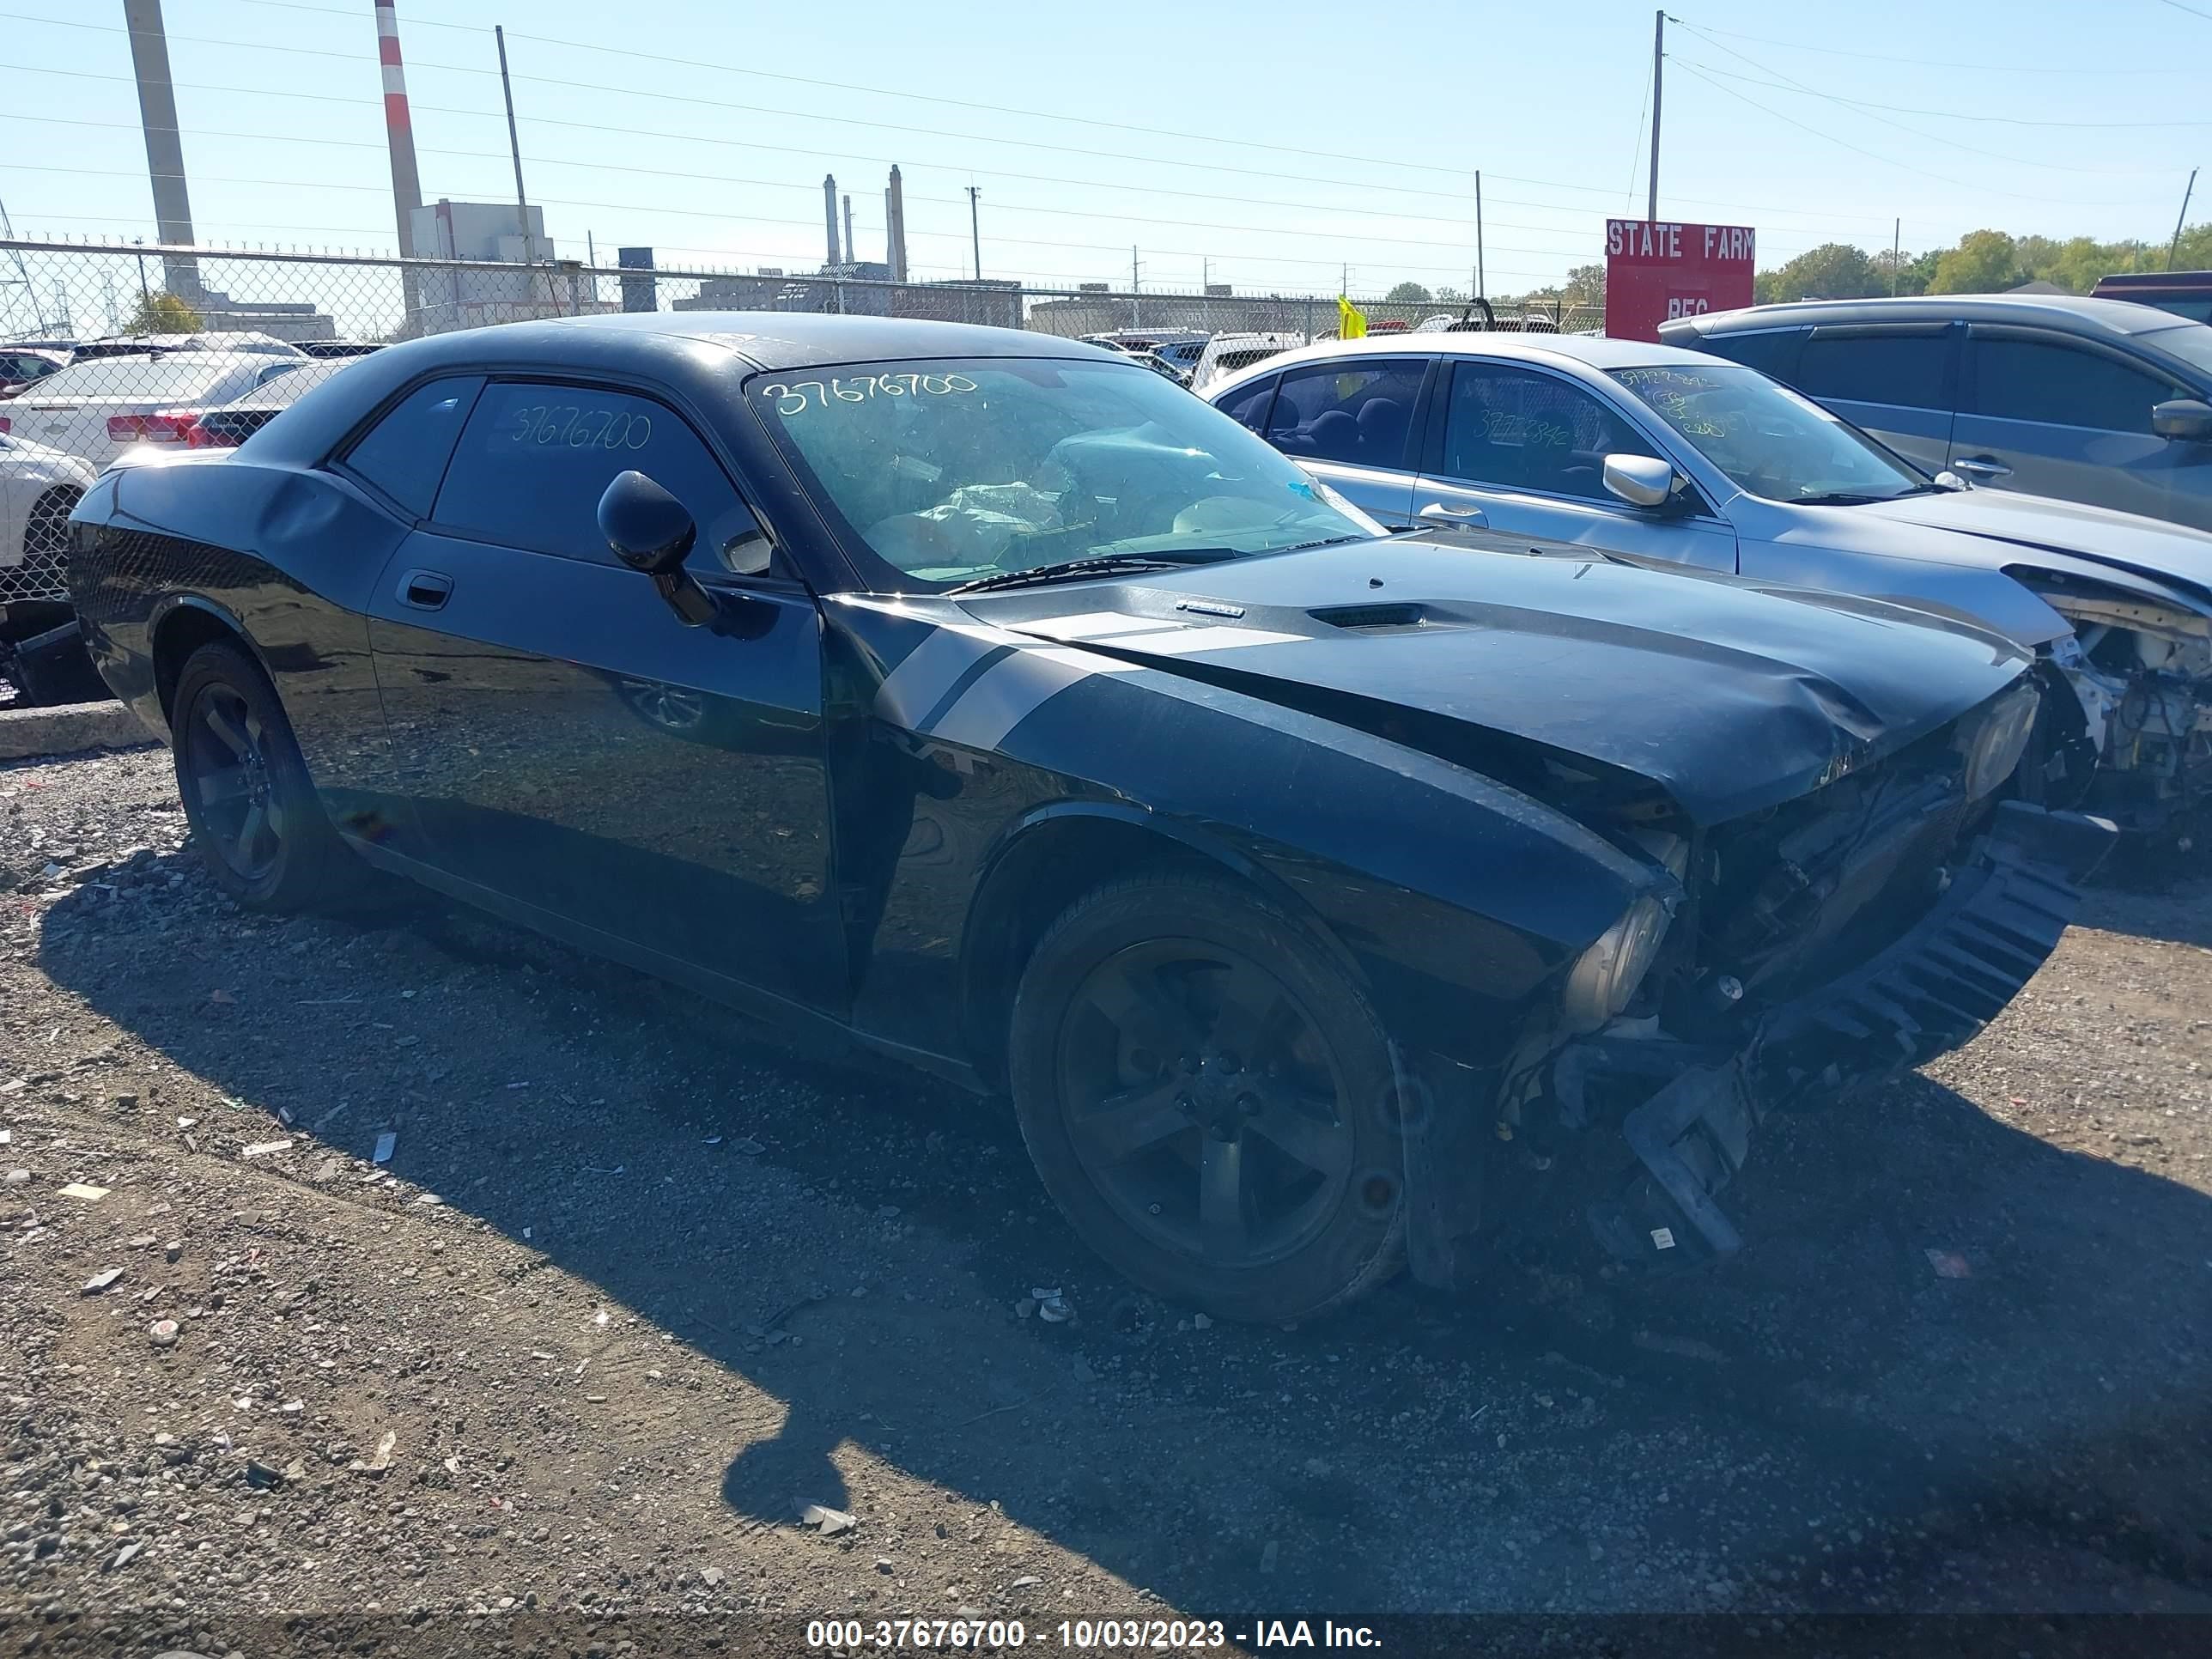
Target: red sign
(1656,270)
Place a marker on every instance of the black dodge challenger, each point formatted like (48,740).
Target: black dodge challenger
(1322,899)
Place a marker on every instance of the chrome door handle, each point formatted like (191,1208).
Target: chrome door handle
(1983,467)
(1453,518)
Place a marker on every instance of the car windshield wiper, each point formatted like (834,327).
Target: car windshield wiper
(1105,564)
(1859,498)
(1326,541)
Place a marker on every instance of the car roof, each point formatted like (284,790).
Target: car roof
(2074,314)
(1594,351)
(771,340)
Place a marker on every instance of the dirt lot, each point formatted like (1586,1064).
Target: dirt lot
(639,1279)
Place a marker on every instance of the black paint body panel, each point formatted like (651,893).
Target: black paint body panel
(865,773)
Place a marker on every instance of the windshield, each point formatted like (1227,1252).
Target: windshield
(2191,342)
(1768,440)
(950,471)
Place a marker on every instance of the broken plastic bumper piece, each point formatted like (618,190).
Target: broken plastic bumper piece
(1927,992)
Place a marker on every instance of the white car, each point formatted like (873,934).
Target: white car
(96,409)
(1229,354)
(37,488)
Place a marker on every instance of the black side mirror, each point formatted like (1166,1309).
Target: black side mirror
(2189,419)
(652,532)
(649,530)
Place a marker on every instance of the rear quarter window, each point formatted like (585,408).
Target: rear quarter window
(404,454)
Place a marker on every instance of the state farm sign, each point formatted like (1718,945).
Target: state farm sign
(1658,270)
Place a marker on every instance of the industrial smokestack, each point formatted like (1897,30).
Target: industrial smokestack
(830,214)
(165,149)
(400,138)
(896,212)
(852,255)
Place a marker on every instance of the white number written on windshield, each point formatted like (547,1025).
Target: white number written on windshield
(549,425)
(802,395)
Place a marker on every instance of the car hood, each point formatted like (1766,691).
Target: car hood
(1729,696)
(2011,524)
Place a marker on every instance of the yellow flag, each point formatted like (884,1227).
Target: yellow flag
(1351,324)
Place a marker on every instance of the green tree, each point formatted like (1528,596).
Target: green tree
(1412,292)
(1585,286)
(1984,262)
(1833,271)
(2194,252)
(162,312)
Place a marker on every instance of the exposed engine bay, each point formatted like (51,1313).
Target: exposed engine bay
(1827,941)
(2142,674)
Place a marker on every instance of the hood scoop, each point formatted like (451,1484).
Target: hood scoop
(1374,617)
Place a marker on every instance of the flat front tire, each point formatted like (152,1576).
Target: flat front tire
(245,790)
(1208,1095)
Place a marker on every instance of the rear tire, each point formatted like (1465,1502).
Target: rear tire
(245,790)
(1209,1097)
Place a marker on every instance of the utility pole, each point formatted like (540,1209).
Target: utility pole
(975,232)
(1480,289)
(2175,246)
(1896,252)
(514,143)
(1136,305)
(1658,81)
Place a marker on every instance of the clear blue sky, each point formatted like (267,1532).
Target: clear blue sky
(640,124)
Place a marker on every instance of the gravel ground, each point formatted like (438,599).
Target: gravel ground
(638,1280)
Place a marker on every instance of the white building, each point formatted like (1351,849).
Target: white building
(478,234)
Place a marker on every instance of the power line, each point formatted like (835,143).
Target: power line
(845,155)
(1895,58)
(601,88)
(691,175)
(1905,167)
(1958,115)
(734,218)
(1794,84)
(2192,10)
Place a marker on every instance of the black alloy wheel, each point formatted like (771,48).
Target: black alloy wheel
(1207,1094)
(1202,1103)
(245,790)
(226,744)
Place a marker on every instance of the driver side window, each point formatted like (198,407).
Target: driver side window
(536,456)
(1518,429)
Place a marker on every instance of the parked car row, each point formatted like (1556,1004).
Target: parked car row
(1681,460)
(65,425)
(1325,898)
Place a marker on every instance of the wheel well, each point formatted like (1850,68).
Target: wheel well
(1031,887)
(182,632)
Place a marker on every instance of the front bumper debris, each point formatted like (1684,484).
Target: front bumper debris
(1927,992)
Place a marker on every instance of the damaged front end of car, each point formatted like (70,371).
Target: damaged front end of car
(2141,673)
(1804,950)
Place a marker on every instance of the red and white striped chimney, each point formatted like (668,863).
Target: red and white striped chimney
(399,125)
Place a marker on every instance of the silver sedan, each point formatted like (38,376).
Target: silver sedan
(1672,457)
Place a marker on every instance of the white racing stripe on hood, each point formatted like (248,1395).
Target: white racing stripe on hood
(912,689)
(1184,641)
(1009,692)
(1096,625)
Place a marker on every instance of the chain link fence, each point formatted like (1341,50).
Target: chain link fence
(103,346)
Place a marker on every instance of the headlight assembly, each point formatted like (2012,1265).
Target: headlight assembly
(1607,975)
(1995,750)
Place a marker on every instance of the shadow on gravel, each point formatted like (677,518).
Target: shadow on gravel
(1834,1417)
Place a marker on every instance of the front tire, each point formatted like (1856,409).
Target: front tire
(1209,1097)
(245,790)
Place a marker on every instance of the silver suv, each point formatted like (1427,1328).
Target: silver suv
(2093,400)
